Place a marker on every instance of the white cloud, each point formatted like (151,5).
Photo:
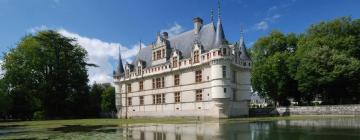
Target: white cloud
(173,30)
(37,29)
(101,53)
(262,25)
(273,18)
(273,8)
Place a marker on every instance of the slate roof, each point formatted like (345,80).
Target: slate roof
(184,43)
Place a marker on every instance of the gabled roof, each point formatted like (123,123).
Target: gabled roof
(184,43)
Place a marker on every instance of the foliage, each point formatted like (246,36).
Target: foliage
(47,72)
(322,63)
(270,75)
(108,99)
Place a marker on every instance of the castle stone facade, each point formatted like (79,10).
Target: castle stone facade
(197,73)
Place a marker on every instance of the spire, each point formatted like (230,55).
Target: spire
(242,47)
(120,68)
(219,36)
(212,15)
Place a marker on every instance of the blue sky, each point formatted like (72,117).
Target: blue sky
(103,25)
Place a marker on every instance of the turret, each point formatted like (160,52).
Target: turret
(242,48)
(120,69)
(219,36)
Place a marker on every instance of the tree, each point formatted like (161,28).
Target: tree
(47,72)
(329,61)
(108,99)
(270,71)
(5,100)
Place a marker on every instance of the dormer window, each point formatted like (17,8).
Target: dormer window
(158,55)
(175,61)
(196,56)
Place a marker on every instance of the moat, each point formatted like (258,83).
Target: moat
(309,128)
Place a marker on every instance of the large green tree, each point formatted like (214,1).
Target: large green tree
(322,63)
(47,72)
(271,62)
(329,61)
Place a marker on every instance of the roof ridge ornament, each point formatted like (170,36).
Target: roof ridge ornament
(219,10)
(212,15)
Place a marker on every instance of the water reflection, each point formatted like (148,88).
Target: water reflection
(330,129)
(347,128)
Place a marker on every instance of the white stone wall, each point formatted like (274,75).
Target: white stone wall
(216,101)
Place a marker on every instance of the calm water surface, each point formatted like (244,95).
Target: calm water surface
(315,129)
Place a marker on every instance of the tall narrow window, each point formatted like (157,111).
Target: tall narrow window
(129,101)
(198,95)
(158,98)
(176,80)
(224,51)
(153,83)
(162,82)
(163,53)
(141,100)
(158,54)
(158,82)
(163,98)
(196,56)
(154,56)
(175,62)
(129,88)
(177,97)
(224,71)
(141,85)
(139,70)
(198,76)
(154,99)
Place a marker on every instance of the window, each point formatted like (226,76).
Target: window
(177,97)
(198,95)
(159,99)
(198,76)
(154,99)
(141,98)
(224,71)
(129,88)
(163,53)
(129,101)
(153,83)
(224,51)
(158,82)
(139,70)
(175,62)
(196,56)
(176,80)
(224,90)
(162,82)
(141,85)
(158,54)
(154,56)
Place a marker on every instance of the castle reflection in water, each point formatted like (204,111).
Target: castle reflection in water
(330,129)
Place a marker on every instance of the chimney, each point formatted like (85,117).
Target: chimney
(165,35)
(198,22)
